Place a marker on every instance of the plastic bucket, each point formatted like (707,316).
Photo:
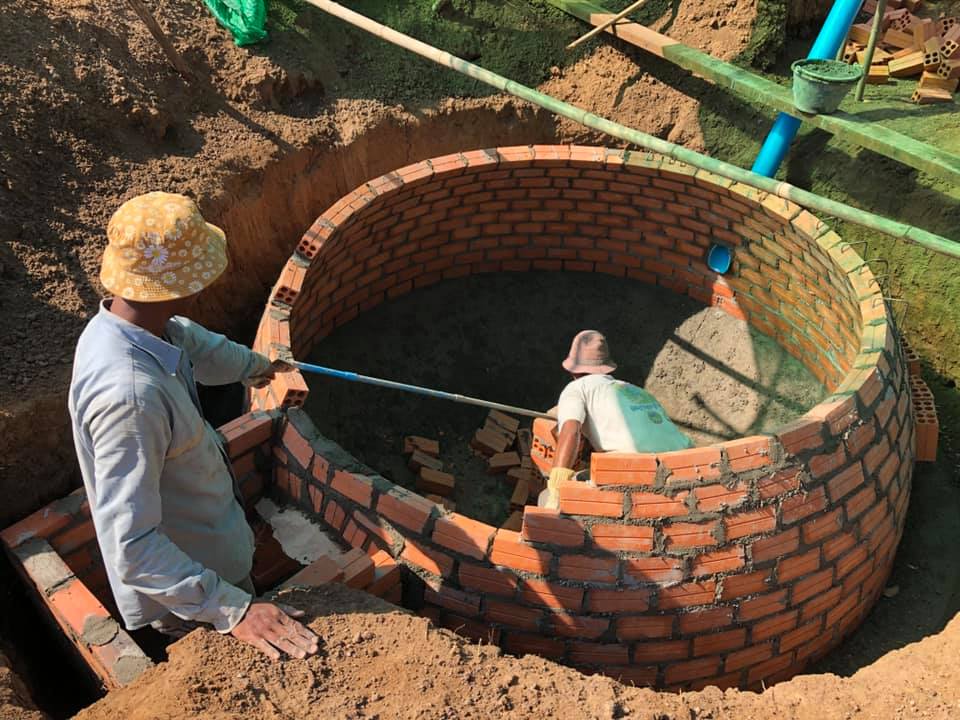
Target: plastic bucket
(820,85)
(719,258)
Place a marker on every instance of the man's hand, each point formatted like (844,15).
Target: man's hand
(271,628)
(264,378)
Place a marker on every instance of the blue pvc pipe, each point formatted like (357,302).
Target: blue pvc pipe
(832,35)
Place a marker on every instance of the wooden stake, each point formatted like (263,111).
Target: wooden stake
(603,26)
(173,57)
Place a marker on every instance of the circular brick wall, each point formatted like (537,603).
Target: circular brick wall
(729,565)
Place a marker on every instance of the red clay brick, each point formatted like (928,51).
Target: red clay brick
(588,569)
(748,656)
(664,651)
(752,522)
(820,604)
(653,569)
(763,605)
(577,498)
(800,506)
(356,487)
(812,585)
(614,537)
(719,642)
(523,644)
(618,601)
(775,546)
(463,603)
(802,634)
(769,668)
(654,505)
(687,594)
(552,595)
(641,627)
(578,626)
(405,508)
(464,535)
(543,525)
(425,557)
(730,558)
(748,453)
(690,534)
(587,653)
(76,537)
(717,497)
(699,621)
(779,483)
(487,580)
(691,670)
(734,586)
(822,526)
(798,565)
(509,550)
(512,615)
(775,625)
(846,482)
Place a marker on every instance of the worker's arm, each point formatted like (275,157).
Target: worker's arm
(216,359)
(130,438)
(567,444)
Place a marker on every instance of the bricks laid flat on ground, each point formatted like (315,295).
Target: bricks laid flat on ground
(502,462)
(436,482)
(419,459)
(427,446)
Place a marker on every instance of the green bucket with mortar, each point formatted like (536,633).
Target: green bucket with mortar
(820,85)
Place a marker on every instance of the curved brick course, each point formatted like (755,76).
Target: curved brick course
(729,565)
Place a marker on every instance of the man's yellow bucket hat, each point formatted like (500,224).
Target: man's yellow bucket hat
(160,248)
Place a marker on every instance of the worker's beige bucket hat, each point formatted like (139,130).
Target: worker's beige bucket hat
(160,248)
(589,354)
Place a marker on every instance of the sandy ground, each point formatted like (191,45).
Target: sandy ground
(716,377)
(378,662)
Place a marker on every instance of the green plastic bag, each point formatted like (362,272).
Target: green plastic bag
(246,19)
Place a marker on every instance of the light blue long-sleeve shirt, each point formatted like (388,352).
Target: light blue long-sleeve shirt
(171,530)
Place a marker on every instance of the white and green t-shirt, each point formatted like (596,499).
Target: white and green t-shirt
(618,416)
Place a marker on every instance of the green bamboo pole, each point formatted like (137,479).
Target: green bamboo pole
(871,46)
(785,190)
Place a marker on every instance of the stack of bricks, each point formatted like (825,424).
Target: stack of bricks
(910,46)
(925,413)
(377,573)
(424,459)
(911,357)
(733,565)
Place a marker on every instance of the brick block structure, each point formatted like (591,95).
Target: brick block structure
(732,565)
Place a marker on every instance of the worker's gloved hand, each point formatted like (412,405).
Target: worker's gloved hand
(550,498)
(264,378)
(271,628)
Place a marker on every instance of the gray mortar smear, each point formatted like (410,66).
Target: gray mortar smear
(99,630)
(129,667)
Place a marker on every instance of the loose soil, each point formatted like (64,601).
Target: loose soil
(376,661)
(502,337)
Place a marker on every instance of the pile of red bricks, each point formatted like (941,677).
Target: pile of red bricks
(910,46)
(734,564)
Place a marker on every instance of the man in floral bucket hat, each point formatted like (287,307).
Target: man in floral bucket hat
(175,541)
(613,415)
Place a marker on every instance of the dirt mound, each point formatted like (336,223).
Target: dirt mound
(378,661)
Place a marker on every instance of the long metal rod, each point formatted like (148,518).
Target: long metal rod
(606,23)
(429,392)
(871,46)
(893,228)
